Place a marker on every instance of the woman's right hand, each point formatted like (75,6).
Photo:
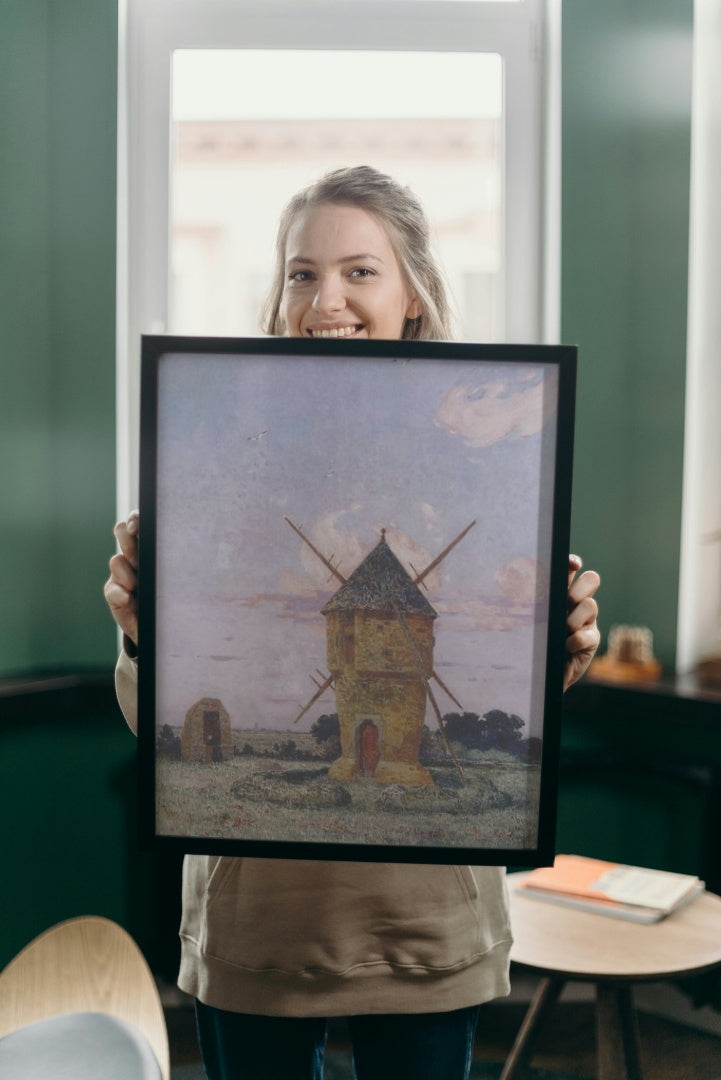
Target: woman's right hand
(121,587)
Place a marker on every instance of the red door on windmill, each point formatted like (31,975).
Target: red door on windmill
(369,754)
(379,641)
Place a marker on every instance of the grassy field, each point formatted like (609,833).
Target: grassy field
(264,798)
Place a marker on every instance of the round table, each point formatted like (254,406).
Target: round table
(563,944)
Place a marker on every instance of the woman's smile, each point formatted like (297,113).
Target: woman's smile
(335,331)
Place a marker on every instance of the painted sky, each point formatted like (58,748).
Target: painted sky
(420,448)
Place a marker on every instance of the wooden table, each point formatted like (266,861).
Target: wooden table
(562,944)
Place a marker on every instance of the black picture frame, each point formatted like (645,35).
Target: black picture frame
(390,518)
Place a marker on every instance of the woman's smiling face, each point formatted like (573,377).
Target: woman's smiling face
(342,277)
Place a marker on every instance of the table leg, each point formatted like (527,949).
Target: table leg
(545,997)
(617,1033)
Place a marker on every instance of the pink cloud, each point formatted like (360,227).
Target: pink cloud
(484,415)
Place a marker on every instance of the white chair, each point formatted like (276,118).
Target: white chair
(80,1002)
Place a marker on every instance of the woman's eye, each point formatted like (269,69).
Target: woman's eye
(362,272)
(300,276)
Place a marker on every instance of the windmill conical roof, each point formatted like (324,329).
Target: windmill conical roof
(380,583)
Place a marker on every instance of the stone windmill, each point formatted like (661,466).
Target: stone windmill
(379,642)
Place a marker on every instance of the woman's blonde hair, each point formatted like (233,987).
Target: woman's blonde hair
(403,217)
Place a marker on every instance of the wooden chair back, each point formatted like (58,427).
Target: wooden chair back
(87,964)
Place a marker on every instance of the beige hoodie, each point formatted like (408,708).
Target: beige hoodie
(284,937)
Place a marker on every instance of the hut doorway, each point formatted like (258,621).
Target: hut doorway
(211,733)
(369,748)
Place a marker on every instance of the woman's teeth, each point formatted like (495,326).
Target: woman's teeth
(337,331)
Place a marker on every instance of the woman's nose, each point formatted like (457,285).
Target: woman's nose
(329,296)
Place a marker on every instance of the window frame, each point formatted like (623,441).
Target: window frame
(698,632)
(526,34)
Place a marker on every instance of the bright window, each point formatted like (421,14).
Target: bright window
(227,107)
(236,160)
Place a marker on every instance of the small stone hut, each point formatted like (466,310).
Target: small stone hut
(206,734)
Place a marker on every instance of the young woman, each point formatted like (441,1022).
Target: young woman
(271,948)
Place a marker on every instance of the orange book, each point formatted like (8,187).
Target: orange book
(633,892)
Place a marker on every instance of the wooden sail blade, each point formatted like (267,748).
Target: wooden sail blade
(431,696)
(445,689)
(416,580)
(439,558)
(326,562)
(446,743)
(322,687)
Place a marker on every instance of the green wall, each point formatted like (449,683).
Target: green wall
(67,775)
(58,71)
(626,145)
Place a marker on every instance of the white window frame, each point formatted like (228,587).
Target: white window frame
(526,34)
(699,597)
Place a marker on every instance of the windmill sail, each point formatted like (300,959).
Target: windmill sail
(446,690)
(326,562)
(439,558)
(322,687)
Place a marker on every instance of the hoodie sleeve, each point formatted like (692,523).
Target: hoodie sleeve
(126,688)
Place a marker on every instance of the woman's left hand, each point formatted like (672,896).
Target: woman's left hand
(583,636)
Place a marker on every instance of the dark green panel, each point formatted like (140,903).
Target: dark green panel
(641,777)
(625,816)
(64,784)
(26,492)
(626,145)
(68,784)
(82,228)
(58,75)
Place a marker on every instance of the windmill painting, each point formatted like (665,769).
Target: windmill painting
(390,518)
(380,654)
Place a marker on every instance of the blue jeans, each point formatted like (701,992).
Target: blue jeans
(415,1046)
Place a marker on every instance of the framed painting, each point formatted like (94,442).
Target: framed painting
(352,597)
